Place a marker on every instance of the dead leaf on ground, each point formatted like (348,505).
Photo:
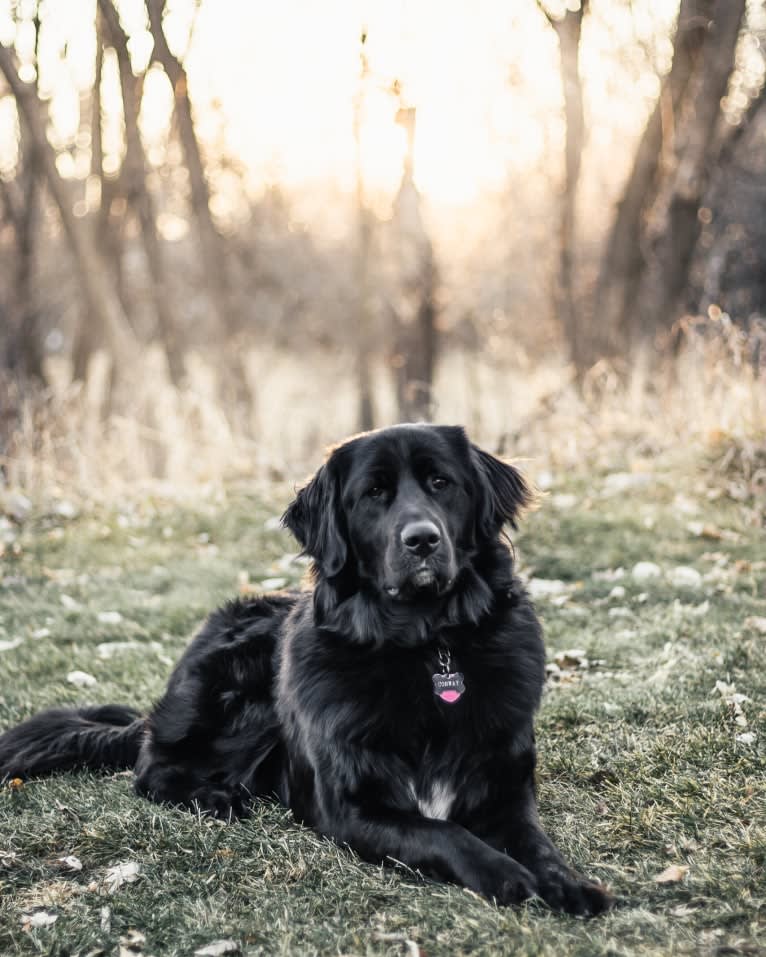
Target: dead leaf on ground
(125,873)
(70,863)
(672,874)
(734,700)
(756,623)
(549,588)
(38,919)
(218,948)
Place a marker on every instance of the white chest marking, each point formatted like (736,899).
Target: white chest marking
(435,801)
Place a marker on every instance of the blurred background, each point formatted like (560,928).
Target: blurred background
(233,232)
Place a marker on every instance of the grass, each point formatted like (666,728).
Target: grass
(640,765)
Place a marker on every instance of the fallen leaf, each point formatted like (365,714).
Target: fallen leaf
(40,918)
(734,700)
(672,874)
(756,623)
(218,948)
(682,576)
(620,611)
(71,604)
(71,863)
(81,679)
(109,617)
(747,737)
(10,645)
(120,874)
(608,574)
(271,584)
(571,659)
(683,911)
(643,571)
(108,649)
(547,587)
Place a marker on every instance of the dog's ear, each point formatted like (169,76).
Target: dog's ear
(314,517)
(503,492)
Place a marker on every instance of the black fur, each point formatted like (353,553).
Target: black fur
(325,700)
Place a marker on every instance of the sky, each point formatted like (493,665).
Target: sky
(275,83)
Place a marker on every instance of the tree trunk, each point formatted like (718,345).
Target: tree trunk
(674,224)
(731,263)
(139,197)
(364,223)
(99,297)
(24,347)
(23,352)
(235,388)
(568,30)
(413,358)
(625,251)
(85,342)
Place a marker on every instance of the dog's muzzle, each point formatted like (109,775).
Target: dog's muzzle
(420,562)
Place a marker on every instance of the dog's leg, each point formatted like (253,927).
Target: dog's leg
(439,849)
(517,831)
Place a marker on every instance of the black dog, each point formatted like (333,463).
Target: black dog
(391,708)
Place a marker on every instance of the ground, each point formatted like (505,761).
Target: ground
(651,764)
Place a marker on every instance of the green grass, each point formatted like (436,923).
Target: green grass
(639,767)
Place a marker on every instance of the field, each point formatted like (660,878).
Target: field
(652,770)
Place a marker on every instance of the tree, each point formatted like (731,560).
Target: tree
(134,182)
(92,274)
(362,265)
(568,30)
(214,262)
(648,250)
(20,201)
(413,303)
(673,224)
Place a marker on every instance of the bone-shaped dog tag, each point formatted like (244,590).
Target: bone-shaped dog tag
(449,687)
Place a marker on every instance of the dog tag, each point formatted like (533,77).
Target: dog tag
(449,687)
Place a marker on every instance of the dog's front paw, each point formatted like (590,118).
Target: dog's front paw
(220,803)
(569,892)
(508,884)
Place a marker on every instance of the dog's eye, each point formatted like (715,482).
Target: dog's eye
(377,491)
(438,482)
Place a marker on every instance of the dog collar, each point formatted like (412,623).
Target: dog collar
(449,685)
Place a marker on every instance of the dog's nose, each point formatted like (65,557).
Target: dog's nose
(422,538)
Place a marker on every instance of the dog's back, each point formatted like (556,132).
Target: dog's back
(215,721)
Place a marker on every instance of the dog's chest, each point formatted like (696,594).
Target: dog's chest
(434,798)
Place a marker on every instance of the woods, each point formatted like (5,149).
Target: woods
(169,248)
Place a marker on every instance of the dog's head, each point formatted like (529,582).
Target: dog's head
(404,510)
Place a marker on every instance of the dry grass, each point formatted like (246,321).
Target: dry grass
(710,399)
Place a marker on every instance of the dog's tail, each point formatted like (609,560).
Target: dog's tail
(64,739)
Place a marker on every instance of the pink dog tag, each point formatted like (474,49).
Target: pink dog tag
(449,685)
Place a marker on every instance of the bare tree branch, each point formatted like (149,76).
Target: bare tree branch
(97,292)
(138,195)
